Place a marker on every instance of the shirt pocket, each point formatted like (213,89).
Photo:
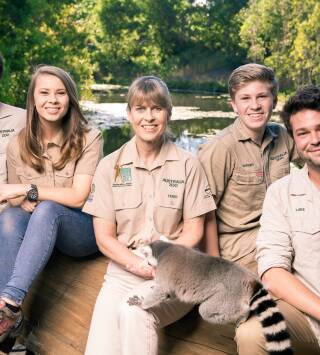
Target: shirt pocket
(128,208)
(170,199)
(305,238)
(27,175)
(246,191)
(126,198)
(64,177)
(249,178)
(305,226)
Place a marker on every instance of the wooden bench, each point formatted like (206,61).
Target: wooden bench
(60,304)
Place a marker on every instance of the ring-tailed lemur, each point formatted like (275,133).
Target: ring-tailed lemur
(224,291)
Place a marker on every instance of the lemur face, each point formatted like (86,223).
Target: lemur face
(146,251)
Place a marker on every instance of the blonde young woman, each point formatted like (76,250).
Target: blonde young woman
(50,167)
(147,188)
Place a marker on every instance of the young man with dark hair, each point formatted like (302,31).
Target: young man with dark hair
(241,162)
(12,120)
(288,243)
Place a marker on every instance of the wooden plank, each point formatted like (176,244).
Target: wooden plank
(60,304)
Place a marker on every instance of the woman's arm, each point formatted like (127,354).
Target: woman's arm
(192,232)
(210,241)
(108,244)
(74,196)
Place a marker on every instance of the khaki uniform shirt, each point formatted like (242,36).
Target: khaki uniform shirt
(19,172)
(239,172)
(289,236)
(146,203)
(12,120)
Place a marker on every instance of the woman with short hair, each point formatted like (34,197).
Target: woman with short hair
(147,188)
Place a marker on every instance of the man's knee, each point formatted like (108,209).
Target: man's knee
(249,337)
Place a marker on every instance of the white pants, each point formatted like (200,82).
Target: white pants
(120,329)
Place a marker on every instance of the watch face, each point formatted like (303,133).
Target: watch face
(32,194)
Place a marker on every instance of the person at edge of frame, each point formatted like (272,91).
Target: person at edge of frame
(12,120)
(50,167)
(241,161)
(147,188)
(288,242)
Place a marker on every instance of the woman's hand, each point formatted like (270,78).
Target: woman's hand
(9,191)
(28,206)
(143,269)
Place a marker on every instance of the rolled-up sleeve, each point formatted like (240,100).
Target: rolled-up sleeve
(100,201)
(274,245)
(198,199)
(216,159)
(13,163)
(91,154)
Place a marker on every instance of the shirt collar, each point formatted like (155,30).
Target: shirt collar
(57,140)
(129,154)
(241,134)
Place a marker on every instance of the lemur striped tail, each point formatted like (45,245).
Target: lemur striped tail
(272,321)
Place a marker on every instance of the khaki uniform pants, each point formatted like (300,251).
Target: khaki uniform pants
(120,329)
(250,339)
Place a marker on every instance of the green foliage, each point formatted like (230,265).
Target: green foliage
(161,36)
(286,36)
(115,137)
(190,44)
(42,31)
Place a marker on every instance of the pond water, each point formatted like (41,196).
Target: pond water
(195,117)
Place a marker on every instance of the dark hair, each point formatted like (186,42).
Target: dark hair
(252,72)
(1,65)
(306,98)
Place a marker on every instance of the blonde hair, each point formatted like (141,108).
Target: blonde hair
(74,125)
(252,72)
(150,89)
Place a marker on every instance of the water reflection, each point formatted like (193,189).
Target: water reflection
(195,118)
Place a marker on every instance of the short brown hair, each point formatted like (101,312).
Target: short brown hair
(152,89)
(252,72)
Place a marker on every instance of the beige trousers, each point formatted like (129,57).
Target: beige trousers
(249,262)
(250,339)
(120,329)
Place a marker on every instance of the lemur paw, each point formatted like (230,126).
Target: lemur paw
(135,301)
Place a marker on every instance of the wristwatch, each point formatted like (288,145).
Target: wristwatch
(32,194)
